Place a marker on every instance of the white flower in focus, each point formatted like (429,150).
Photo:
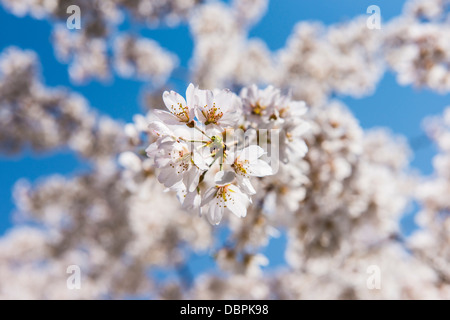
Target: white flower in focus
(224,196)
(218,107)
(247,163)
(201,154)
(181,110)
(177,162)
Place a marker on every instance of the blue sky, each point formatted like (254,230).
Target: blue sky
(399,108)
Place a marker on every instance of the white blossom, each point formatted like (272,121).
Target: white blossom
(276,157)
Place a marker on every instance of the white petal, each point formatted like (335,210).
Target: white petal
(223,100)
(168,177)
(190,91)
(199,161)
(209,98)
(152,150)
(161,161)
(246,186)
(223,178)
(260,168)
(190,178)
(162,158)
(215,214)
(172,99)
(159,128)
(199,115)
(231,155)
(191,200)
(208,196)
(178,187)
(251,153)
(167,146)
(191,100)
(167,117)
(238,202)
(229,119)
(205,101)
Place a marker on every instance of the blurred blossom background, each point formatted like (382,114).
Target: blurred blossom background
(77,188)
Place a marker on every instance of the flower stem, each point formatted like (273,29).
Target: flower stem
(195,126)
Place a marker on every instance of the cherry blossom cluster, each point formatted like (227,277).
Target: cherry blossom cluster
(209,145)
(334,191)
